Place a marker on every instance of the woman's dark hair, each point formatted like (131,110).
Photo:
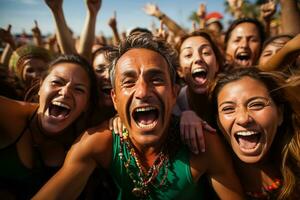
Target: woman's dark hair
(237,22)
(202,33)
(286,144)
(103,49)
(271,39)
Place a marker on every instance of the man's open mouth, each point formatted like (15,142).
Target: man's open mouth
(146,117)
(248,140)
(199,75)
(59,110)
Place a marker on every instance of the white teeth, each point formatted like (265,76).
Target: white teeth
(146,125)
(144,109)
(57,103)
(199,70)
(246,133)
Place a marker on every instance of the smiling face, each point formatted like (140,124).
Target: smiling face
(33,69)
(271,49)
(101,68)
(243,46)
(248,118)
(143,95)
(64,96)
(198,64)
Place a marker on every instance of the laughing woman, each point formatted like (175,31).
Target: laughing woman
(258,113)
(35,137)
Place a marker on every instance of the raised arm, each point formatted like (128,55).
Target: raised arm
(153,10)
(290,17)
(90,149)
(277,61)
(63,34)
(201,13)
(87,36)
(37,35)
(267,10)
(113,25)
(6,36)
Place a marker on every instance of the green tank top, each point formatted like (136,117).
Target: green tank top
(178,185)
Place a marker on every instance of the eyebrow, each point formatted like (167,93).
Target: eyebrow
(249,100)
(201,46)
(75,83)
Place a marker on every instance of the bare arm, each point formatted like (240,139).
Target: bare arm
(6,36)
(219,168)
(90,149)
(153,10)
(87,36)
(37,35)
(201,13)
(267,10)
(290,17)
(277,60)
(113,25)
(63,34)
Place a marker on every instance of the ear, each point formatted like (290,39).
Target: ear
(114,98)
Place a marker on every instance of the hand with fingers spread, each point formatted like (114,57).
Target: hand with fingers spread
(268,9)
(152,9)
(192,129)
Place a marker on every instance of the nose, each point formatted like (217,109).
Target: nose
(243,117)
(142,91)
(65,90)
(198,57)
(106,74)
(244,43)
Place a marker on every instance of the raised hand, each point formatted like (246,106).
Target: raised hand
(35,30)
(6,36)
(112,22)
(268,9)
(93,6)
(152,9)
(201,12)
(54,4)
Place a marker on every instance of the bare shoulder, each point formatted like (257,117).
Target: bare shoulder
(96,143)
(215,154)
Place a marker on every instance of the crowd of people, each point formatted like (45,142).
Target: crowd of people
(170,113)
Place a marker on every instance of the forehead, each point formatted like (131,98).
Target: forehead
(245,28)
(69,71)
(244,88)
(194,41)
(140,58)
(34,62)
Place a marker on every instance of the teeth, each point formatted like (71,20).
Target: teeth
(144,109)
(146,126)
(57,103)
(199,70)
(246,133)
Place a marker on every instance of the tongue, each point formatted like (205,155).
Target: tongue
(146,118)
(58,111)
(248,142)
(200,79)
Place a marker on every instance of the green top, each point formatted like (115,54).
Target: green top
(178,184)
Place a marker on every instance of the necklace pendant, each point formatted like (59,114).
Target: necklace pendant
(139,192)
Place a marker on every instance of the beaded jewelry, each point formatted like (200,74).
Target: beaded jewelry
(268,192)
(145,179)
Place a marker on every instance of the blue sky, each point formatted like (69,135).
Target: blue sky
(22,13)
